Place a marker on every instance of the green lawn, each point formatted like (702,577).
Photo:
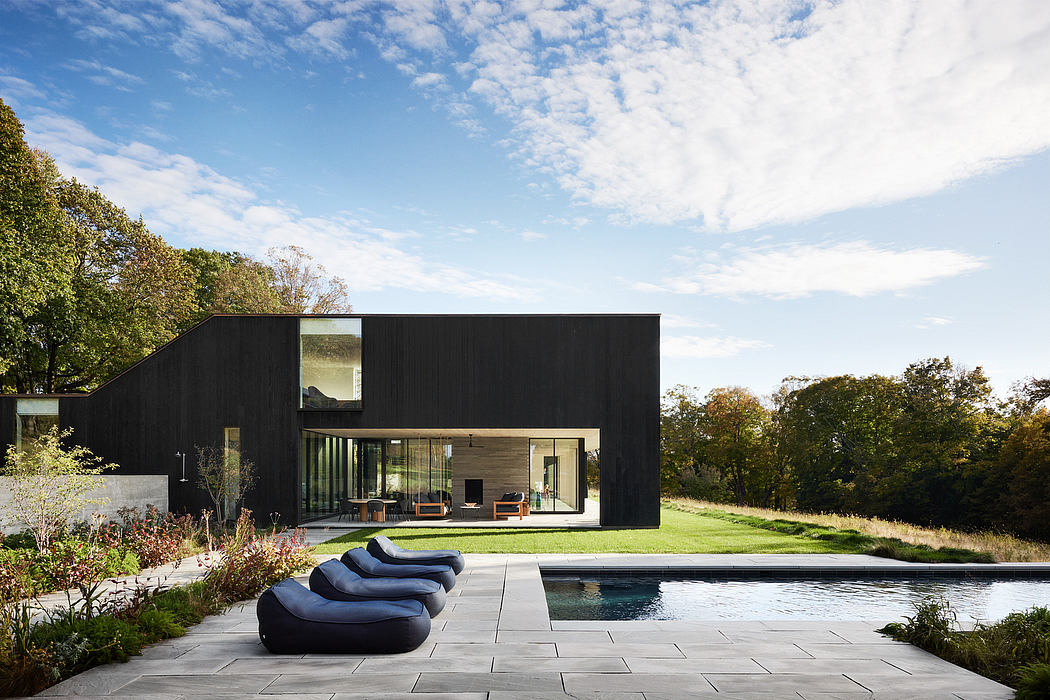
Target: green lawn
(679,533)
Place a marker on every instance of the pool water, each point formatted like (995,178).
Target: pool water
(647,598)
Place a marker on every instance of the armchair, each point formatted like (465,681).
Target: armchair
(513,503)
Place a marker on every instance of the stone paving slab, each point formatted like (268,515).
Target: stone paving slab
(497,642)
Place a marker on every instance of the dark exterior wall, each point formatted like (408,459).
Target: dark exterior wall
(227,372)
(599,371)
(523,371)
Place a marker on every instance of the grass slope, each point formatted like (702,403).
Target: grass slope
(679,533)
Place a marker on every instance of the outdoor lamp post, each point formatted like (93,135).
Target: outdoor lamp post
(182,456)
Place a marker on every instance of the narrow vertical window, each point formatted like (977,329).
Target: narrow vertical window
(232,457)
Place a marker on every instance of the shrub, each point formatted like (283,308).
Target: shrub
(1033,682)
(1001,651)
(155,624)
(184,607)
(19,572)
(248,563)
(154,538)
(19,540)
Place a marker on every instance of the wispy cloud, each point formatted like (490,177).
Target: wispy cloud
(532,236)
(101,74)
(700,347)
(178,195)
(14,89)
(797,270)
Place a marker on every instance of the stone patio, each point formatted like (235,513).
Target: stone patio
(495,641)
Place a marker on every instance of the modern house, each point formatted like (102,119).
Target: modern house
(343,406)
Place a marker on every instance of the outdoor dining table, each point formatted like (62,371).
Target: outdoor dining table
(362,505)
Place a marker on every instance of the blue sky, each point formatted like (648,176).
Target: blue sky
(801,188)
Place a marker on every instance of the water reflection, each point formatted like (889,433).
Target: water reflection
(641,598)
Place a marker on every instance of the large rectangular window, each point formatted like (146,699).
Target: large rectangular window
(33,418)
(330,362)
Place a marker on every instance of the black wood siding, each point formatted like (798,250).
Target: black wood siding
(227,372)
(587,371)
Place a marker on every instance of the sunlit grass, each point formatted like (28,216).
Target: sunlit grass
(679,533)
(1002,547)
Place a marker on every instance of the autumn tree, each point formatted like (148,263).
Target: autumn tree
(736,425)
(230,282)
(305,287)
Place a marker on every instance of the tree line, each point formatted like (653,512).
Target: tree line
(931,446)
(87,290)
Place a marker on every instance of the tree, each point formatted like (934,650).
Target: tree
(945,425)
(129,293)
(304,287)
(226,476)
(681,442)
(834,432)
(1025,466)
(50,484)
(35,260)
(230,282)
(736,424)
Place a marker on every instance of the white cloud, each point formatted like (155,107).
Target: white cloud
(531,236)
(739,113)
(933,321)
(13,89)
(178,195)
(323,38)
(698,347)
(676,321)
(751,113)
(798,270)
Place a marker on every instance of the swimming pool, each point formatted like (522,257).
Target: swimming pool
(647,597)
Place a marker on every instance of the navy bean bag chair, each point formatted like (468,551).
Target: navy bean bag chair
(295,620)
(387,552)
(365,565)
(332,580)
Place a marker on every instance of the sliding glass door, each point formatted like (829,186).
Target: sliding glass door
(554,474)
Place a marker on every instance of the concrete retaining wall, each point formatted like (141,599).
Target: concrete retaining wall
(123,491)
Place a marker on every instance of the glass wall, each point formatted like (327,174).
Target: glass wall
(328,473)
(335,468)
(554,474)
(330,362)
(33,418)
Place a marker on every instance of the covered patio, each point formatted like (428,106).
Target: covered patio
(435,477)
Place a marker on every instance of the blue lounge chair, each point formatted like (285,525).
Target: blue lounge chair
(387,552)
(332,580)
(295,620)
(364,564)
